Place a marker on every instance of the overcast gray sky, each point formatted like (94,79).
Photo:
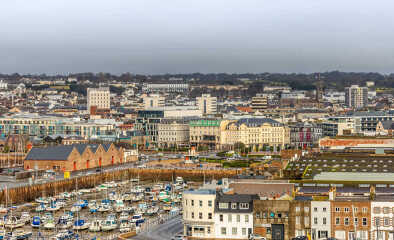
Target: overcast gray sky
(183,36)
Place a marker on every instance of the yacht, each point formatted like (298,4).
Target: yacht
(109,225)
(80,224)
(95,226)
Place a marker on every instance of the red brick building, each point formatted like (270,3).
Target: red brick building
(73,157)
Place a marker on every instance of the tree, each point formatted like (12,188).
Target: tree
(239,146)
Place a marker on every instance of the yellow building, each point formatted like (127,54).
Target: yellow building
(255,133)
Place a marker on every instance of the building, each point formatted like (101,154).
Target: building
(305,134)
(382,216)
(206,132)
(320,219)
(385,128)
(198,213)
(256,133)
(259,102)
(173,132)
(153,101)
(357,143)
(234,215)
(351,219)
(300,218)
(147,123)
(166,87)
(207,104)
(356,97)
(271,219)
(73,157)
(99,98)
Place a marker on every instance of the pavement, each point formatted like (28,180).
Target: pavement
(163,231)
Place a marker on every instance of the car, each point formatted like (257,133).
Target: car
(300,238)
(256,237)
(178,237)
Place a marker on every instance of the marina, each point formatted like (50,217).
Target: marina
(104,212)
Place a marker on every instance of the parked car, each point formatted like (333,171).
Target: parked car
(256,237)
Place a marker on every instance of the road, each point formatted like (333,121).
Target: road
(163,231)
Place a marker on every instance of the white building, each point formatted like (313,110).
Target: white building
(321,219)
(382,220)
(356,97)
(98,97)
(207,104)
(198,213)
(234,216)
(173,132)
(166,87)
(334,97)
(3,85)
(153,101)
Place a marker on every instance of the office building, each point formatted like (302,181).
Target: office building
(98,98)
(207,104)
(259,102)
(153,101)
(356,97)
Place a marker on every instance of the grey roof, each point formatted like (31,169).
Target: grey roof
(388,124)
(61,152)
(254,122)
(235,198)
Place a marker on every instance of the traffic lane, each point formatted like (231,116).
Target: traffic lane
(165,231)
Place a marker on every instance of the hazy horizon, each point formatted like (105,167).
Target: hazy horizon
(221,36)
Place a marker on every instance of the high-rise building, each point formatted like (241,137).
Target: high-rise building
(98,98)
(259,102)
(207,104)
(356,97)
(154,101)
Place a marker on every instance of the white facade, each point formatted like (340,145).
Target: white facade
(166,87)
(233,225)
(207,104)
(320,219)
(99,97)
(198,213)
(382,220)
(153,101)
(172,133)
(3,85)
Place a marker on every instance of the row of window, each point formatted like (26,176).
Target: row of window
(234,231)
(225,205)
(230,218)
(355,209)
(384,210)
(200,215)
(347,221)
(200,203)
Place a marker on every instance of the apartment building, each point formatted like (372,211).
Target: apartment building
(320,220)
(300,218)
(166,87)
(356,96)
(207,104)
(234,215)
(259,102)
(147,123)
(351,219)
(153,101)
(256,133)
(198,213)
(206,132)
(173,132)
(382,219)
(98,98)
(305,134)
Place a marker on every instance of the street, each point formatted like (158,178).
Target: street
(163,231)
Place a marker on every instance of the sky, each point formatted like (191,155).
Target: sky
(186,36)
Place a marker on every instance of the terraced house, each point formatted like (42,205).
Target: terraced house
(73,157)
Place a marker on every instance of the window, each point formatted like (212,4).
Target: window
(192,202)
(223,230)
(200,203)
(221,217)
(186,202)
(209,230)
(306,209)
(386,210)
(234,205)
(234,231)
(238,218)
(297,209)
(337,209)
(230,218)
(386,221)
(246,218)
(377,221)
(346,221)
(192,214)
(209,203)
(324,221)
(258,214)
(365,210)
(306,220)
(209,215)
(356,221)
(223,205)
(365,222)
(346,209)
(315,209)
(297,219)
(200,215)
(244,206)
(376,210)
(243,231)
(337,221)
(315,220)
